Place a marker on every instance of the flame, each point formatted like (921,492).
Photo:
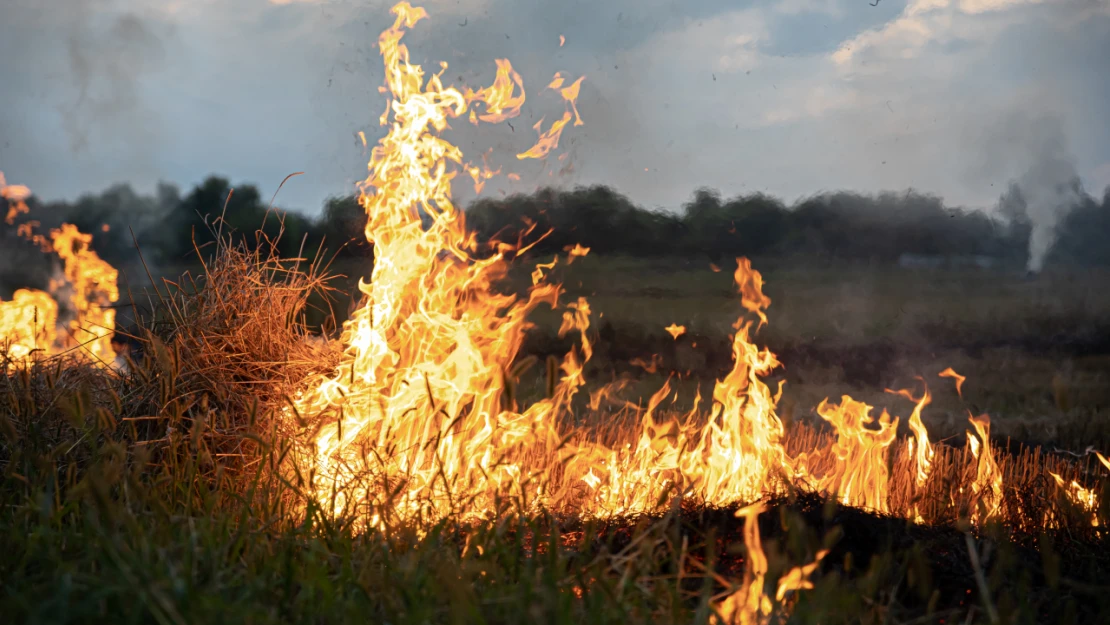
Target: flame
(500,101)
(986,487)
(859,477)
(29,323)
(421,383)
(413,423)
(949,373)
(483,173)
(1085,498)
(16,196)
(675,330)
(575,251)
(749,604)
(91,284)
(919,447)
(419,420)
(549,140)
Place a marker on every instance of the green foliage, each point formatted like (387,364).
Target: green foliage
(829,226)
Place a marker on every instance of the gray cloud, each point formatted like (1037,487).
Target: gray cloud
(738,96)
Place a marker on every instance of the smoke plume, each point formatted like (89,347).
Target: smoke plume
(1048,182)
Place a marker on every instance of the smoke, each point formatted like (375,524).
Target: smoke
(107,61)
(1049,186)
(1048,182)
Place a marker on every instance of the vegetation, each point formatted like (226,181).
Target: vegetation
(156,497)
(842,226)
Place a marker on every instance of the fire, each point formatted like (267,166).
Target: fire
(90,283)
(949,373)
(27,324)
(549,139)
(15,195)
(1085,498)
(675,330)
(420,419)
(30,324)
(859,477)
(749,604)
(986,487)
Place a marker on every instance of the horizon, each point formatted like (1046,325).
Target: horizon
(801,97)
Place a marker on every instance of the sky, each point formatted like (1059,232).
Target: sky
(789,97)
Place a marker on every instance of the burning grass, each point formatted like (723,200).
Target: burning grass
(159,494)
(235,466)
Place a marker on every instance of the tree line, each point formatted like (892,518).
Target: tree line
(171,226)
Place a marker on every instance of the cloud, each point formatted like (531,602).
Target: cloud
(797,7)
(790,97)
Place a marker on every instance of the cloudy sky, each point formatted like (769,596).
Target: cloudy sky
(791,97)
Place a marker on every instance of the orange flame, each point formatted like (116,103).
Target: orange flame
(417,421)
(919,447)
(986,488)
(499,99)
(675,330)
(91,285)
(16,196)
(749,604)
(549,140)
(1085,498)
(29,323)
(859,477)
(949,373)
(575,251)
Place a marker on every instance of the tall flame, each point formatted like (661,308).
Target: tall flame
(419,420)
(986,487)
(749,604)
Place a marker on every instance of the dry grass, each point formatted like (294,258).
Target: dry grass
(157,495)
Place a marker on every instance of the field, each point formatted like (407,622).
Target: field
(121,505)
(1035,350)
(585,439)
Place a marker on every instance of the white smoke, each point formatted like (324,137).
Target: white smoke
(1046,183)
(1049,188)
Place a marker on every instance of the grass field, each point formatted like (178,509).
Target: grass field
(121,505)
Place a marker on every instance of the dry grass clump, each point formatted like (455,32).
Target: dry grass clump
(239,327)
(212,364)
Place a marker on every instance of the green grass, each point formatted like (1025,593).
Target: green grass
(95,529)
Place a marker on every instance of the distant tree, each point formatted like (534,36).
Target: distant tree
(342,226)
(1083,234)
